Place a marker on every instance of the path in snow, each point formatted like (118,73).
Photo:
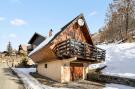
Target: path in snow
(29,81)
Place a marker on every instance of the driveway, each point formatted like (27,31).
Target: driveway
(7,79)
(80,84)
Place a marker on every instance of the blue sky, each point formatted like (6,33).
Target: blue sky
(19,19)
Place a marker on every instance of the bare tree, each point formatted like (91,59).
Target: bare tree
(119,20)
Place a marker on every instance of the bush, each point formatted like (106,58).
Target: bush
(24,63)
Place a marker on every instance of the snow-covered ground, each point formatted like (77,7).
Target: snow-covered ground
(32,83)
(120,60)
(117,86)
(29,81)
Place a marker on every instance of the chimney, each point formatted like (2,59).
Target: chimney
(50,33)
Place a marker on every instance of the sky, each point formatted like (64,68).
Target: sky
(20,19)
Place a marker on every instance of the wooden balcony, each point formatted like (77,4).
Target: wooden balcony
(72,48)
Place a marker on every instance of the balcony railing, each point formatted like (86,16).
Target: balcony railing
(73,48)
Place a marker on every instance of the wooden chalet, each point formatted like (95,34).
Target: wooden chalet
(66,55)
(36,40)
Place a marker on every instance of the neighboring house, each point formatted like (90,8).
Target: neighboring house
(66,55)
(4,53)
(23,49)
(35,41)
(1,55)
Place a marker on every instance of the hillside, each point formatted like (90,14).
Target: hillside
(120,60)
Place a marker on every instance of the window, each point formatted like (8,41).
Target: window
(45,65)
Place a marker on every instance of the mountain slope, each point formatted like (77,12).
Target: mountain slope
(120,60)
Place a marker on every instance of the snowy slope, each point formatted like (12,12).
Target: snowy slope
(120,60)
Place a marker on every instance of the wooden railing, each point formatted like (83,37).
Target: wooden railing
(73,48)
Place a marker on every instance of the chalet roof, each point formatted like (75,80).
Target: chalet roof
(35,36)
(50,39)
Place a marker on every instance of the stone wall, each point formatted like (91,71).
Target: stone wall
(111,79)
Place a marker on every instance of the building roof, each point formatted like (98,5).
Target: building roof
(35,36)
(50,39)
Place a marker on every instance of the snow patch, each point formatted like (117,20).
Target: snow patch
(117,86)
(120,60)
(29,81)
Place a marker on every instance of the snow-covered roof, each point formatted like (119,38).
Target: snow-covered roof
(44,43)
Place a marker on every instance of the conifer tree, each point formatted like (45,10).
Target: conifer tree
(9,49)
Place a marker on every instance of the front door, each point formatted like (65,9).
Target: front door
(76,71)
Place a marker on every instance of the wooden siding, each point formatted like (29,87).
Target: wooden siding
(74,31)
(44,55)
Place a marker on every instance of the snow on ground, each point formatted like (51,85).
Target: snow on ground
(117,86)
(29,81)
(44,43)
(120,60)
(32,83)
